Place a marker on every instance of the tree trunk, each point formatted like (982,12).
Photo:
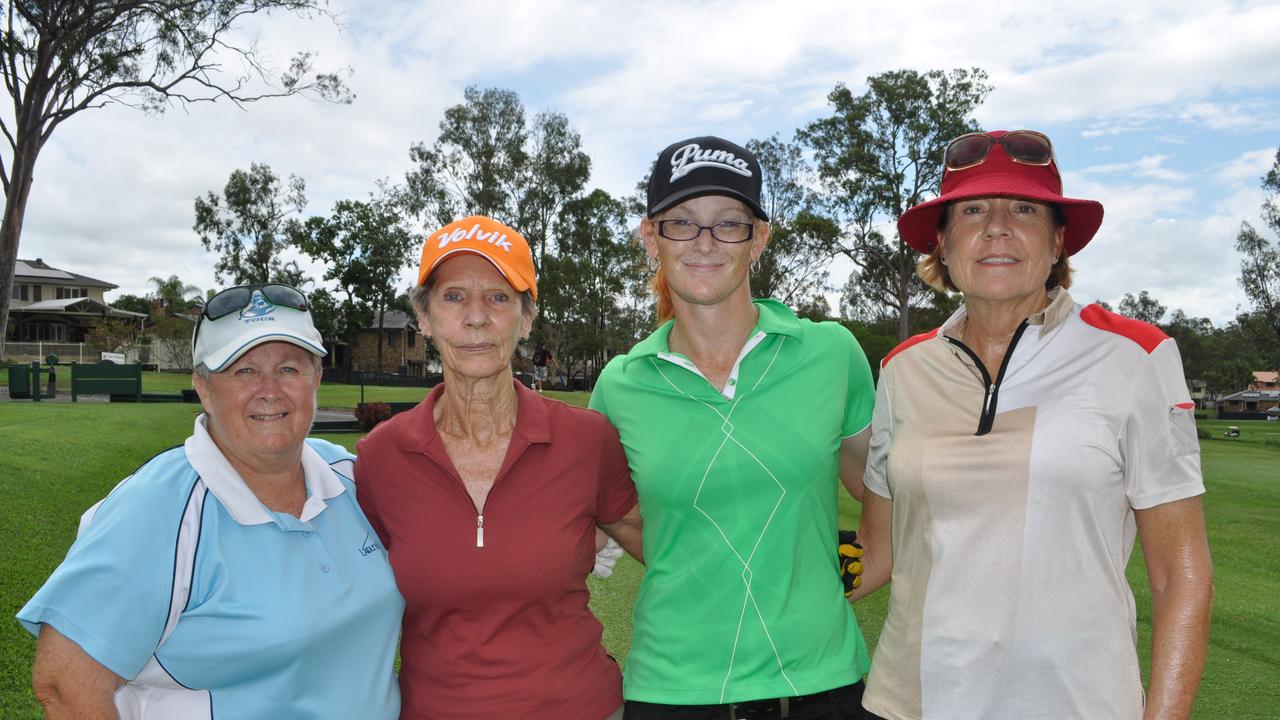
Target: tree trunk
(904,296)
(382,311)
(15,210)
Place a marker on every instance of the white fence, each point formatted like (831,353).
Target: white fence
(165,355)
(20,352)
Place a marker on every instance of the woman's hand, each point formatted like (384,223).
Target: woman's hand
(68,683)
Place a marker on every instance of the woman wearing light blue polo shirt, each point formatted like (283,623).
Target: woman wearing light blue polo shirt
(233,576)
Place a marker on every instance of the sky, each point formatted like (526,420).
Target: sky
(1166,112)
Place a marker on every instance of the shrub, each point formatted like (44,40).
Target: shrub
(370,414)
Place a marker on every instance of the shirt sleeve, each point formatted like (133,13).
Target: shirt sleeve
(861,391)
(596,401)
(876,477)
(1160,448)
(617,493)
(113,592)
(366,491)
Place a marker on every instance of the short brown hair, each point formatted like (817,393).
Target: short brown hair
(934,273)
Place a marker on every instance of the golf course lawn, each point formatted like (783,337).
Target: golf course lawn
(57,459)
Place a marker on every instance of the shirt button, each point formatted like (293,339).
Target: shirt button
(732,381)
(324,568)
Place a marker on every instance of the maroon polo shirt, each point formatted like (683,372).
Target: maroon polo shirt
(499,628)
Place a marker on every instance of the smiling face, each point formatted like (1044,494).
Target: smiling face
(260,407)
(1001,250)
(474,317)
(705,271)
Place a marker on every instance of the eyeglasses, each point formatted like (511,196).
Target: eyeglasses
(234,299)
(725,232)
(1027,147)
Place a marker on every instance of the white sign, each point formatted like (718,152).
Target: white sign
(117,358)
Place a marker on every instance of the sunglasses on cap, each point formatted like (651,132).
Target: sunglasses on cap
(234,299)
(1027,147)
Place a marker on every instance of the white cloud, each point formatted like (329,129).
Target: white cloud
(1247,168)
(1151,166)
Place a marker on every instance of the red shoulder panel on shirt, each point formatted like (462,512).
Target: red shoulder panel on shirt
(913,340)
(1148,336)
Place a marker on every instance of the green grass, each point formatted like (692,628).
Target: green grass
(57,459)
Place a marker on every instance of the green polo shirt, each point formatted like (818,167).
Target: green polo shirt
(742,598)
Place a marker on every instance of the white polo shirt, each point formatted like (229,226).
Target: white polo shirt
(1012,526)
(212,605)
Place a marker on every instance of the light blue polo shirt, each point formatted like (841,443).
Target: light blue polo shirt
(213,606)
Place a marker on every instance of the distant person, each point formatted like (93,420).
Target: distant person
(234,576)
(541,358)
(1016,453)
(487,497)
(739,420)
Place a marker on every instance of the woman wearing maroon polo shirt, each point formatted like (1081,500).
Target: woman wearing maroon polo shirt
(487,497)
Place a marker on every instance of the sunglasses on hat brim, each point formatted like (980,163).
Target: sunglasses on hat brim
(234,299)
(1026,147)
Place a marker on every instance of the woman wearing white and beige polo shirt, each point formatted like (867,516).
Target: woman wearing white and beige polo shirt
(1016,451)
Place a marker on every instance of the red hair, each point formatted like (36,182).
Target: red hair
(661,290)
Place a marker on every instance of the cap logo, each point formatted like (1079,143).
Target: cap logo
(493,237)
(692,156)
(258,309)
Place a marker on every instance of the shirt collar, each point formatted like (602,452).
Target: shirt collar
(1048,319)
(775,318)
(533,421)
(239,500)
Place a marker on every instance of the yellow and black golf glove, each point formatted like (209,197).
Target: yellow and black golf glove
(850,553)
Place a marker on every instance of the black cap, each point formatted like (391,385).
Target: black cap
(705,166)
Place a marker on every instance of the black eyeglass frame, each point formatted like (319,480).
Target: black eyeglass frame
(277,293)
(1003,141)
(751,230)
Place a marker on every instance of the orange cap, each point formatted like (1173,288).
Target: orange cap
(488,238)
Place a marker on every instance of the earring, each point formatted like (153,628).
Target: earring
(755,266)
(942,259)
(654,263)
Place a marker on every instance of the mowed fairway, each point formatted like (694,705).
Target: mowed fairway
(58,459)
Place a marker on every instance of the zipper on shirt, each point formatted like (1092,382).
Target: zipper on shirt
(990,402)
(480,531)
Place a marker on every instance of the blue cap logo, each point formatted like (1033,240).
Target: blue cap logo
(259,306)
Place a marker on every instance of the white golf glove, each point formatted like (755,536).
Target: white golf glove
(606,559)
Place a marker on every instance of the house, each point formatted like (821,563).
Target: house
(53,305)
(1265,380)
(1250,401)
(404,350)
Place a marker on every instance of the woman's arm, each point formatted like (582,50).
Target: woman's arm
(628,531)
(853,461)
(68,683)
(875,533)
(1180,572)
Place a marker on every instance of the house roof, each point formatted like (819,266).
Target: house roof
(40,271)
(394,320)
(75,306)
(1264,376)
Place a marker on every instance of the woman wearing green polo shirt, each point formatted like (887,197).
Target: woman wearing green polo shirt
(737,419)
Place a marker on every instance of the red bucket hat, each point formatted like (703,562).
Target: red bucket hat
(999,175)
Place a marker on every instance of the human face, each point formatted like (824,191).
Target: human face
(474,317)
(1000,249)
(705,271)
(260,408)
